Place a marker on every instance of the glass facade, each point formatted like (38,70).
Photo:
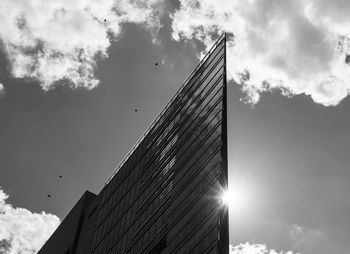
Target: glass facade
(165,196)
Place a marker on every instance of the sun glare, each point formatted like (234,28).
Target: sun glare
(235,198)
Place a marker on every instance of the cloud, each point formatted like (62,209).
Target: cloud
(2,91)
(300,235)
(22,231)
(247,248)
(294,46)
(51,41)
(310,240)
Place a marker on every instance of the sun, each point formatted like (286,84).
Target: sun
(235,198)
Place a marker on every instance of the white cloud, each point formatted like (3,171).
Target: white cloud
(296,46)
(54,40)
(311,240)
(300,235)
(247,248)
(22,231)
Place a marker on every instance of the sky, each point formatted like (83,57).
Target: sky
(81,81)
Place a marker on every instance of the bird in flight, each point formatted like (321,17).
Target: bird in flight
(347,59)
(49,195)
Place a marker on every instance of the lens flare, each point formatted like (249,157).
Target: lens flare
(235,198)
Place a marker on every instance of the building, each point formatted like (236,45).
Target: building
(165,195)
(76,230)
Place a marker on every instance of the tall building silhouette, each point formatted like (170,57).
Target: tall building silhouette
(165,195)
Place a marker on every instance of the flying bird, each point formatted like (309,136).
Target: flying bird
(156,64)
(347,59)
(136,110)
(49,195)
(60,176)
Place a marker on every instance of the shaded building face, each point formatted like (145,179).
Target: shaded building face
(165,198)
(75,232)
